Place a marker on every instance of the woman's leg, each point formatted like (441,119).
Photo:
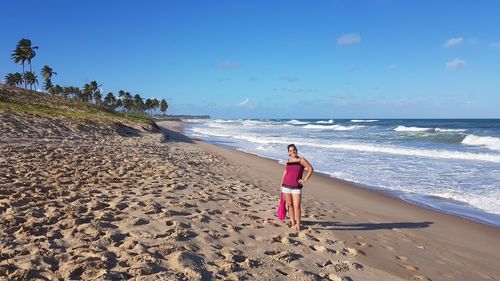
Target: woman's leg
(296,198)
(289,204)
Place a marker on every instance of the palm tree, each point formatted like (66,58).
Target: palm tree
(110,101)
(91,92)
(19,56)
(156,105)
(47,73)
(95,92)
(86,93)
(138,103)
(31,79)
(118,104)
(30,50)
(126,100)
(97,97)
(10,80)
(148,105)
(14,79)
(72,92)
(163,106)
(57,90)
(23,52)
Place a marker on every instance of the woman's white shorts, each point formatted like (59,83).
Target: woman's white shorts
(291,190)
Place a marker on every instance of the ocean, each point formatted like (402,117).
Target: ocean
(451,165)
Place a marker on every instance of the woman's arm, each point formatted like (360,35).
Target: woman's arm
(309,169)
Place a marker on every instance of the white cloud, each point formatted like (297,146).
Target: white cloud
(392,67)
(244,102)
(453,42)
(228,65)
(349,39)
(456,64)
(495,45)
(290,79)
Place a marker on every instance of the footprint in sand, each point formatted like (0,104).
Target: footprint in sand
(357,266)
(288,241)
(190,264)
(409,267)
(216,246)
(239,242)
(362,244)
(140,221)
(341,266)
(284,256)
(284,272)
(320,248)
(334,277)
(401,258)
(329,242)
(304,235)
(231,228)
(389,248)
(217,235)
(152,208)
(352,252)
(420,278)
(200,218)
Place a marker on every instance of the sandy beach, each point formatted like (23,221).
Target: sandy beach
(405,240)
(102,202)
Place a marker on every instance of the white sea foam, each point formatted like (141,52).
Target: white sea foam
(402,128)
(217,125)
(488,142)
(449,130)
(325,122)
(363,121)
(223,121)
(428,153)
(333,127)
(414,152)
(485,202)
(252,122)
(297,122)
(192,121)
(208,132)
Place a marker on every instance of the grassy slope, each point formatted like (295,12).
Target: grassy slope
(32,102)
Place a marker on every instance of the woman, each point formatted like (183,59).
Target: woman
(291,184)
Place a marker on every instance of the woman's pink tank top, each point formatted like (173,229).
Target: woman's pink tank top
(294,171)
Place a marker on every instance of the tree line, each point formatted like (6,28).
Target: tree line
(90,92)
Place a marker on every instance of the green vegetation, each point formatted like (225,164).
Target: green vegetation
(32,102)
(125,105)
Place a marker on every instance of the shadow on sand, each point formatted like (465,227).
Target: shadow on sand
(172,136)
(364,226)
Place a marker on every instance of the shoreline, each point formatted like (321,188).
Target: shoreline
(461,209)
(433,202)
(368,218)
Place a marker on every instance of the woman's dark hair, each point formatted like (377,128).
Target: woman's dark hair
(291,145)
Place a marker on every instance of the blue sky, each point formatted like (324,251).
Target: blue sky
(273,59)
